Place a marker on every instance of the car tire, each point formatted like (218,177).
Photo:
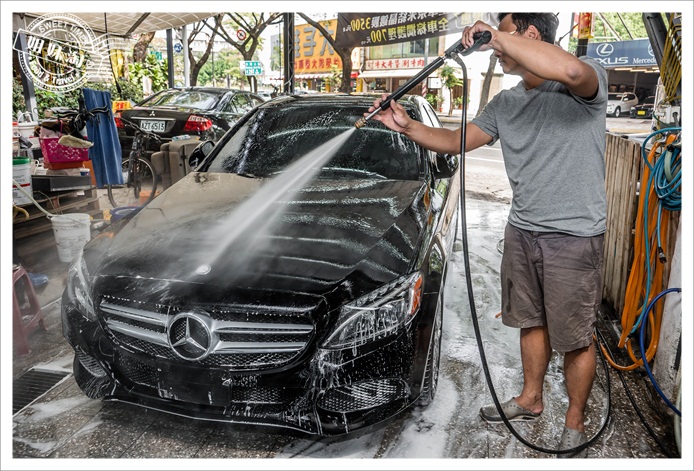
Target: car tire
(617,112)
(92,385)
(431,373)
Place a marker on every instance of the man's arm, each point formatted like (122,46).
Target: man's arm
(441,140)
(540,58)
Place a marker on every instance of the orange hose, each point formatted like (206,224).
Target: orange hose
(636,296)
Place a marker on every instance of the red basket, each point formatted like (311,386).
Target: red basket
(57,153)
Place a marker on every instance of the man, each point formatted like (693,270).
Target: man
(552,132)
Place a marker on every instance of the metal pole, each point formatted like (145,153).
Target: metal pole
(186,59)
(425,89)
(169,56)
(288,53)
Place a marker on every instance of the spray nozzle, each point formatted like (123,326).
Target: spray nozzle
(480,39)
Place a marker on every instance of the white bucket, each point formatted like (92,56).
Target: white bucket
(72,232)
(21,173)
(27,129)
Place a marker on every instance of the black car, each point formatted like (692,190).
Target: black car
(295,279)
(194,111)
(643,110)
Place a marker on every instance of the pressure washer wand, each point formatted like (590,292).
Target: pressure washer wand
(480,39)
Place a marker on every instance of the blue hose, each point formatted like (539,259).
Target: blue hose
(666,178)
(643,349)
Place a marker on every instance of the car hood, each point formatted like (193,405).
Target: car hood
(346,236)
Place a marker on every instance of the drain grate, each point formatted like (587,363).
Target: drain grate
(33,384)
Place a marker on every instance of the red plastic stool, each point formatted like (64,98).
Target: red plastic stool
(26,314)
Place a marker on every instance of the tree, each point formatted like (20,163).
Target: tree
(487,83)
(619,26)
(335,78)
(225,67)
(253,25)
(345,54)
(140,47)
(196,64)
(448,78)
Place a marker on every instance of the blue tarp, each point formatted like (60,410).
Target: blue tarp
(105,154)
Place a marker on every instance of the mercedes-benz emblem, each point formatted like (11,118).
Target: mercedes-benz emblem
(203,269)
(189,336)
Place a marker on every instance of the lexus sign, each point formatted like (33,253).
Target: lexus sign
(623,53)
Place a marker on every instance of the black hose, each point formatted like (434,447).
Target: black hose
(633,401)
(471,299)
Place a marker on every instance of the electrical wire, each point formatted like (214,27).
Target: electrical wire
(644,422)
(473,311)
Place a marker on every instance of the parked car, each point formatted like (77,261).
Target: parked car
(620,103)
(643,110)
(265,95)
(238,295)
(195,111)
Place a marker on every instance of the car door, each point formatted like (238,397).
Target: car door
(445,191)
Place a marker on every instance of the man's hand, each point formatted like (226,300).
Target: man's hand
(480,26)
(395,117)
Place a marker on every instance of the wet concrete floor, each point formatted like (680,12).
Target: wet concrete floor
(66,425)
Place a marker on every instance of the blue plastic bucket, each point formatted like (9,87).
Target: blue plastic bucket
(119,213)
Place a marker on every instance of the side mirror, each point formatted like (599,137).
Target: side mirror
(445,165)
(199,154)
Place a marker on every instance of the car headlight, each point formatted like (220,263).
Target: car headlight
(377,314)
(79,288)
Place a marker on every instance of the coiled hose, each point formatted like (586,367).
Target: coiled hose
(662,173)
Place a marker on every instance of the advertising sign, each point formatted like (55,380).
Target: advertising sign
(623,53)
(585,25)
(375,29)
(312,53)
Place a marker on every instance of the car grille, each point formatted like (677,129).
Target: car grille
(362,396)
(240,337)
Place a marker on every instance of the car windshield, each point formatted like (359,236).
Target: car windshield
(649,101)
(274,137)
(615,96)
(195,99)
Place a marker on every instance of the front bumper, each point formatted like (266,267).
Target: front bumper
(324,392)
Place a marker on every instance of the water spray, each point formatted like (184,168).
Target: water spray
(480,39)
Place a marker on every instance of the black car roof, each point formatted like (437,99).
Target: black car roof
(355,99)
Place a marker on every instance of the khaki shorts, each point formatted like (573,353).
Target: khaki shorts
(555,280)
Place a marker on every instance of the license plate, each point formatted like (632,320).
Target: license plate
(640,112)
(152,126)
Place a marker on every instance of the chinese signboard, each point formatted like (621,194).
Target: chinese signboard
(385,64)
(585,25)
(251,68)
(312,53)
(375,29)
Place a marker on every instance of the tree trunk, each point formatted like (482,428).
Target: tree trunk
(140,47)
(346,56)
(486,85)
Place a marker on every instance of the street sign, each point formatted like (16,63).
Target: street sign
(251,68)
(241,34)
(178,47)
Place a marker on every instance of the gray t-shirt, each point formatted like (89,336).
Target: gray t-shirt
(553,145)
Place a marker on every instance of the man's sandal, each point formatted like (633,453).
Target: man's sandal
(512,411)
